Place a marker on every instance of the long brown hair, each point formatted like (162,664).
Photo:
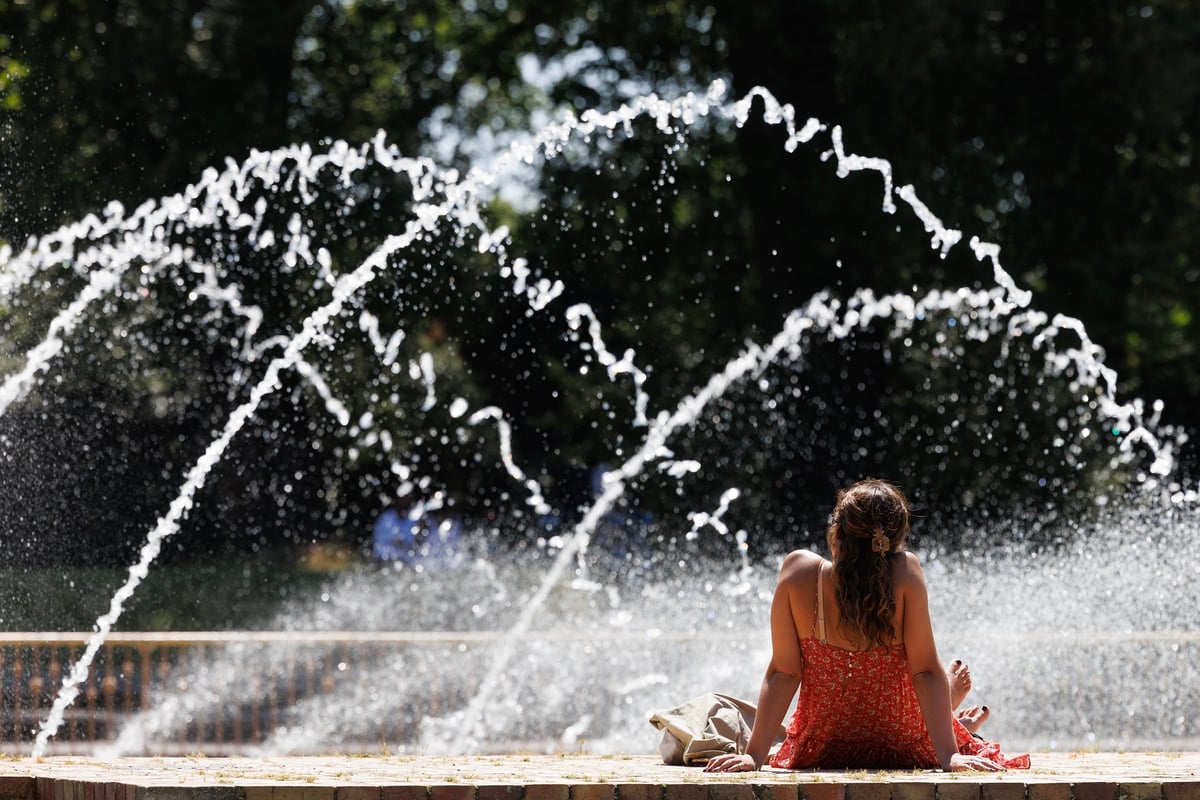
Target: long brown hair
(869,524)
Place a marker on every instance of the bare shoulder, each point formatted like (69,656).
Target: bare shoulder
(797,565)
(906,570)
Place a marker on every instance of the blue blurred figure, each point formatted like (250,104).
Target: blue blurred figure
(622,535)
(442,548)
(394,535)
(414,534)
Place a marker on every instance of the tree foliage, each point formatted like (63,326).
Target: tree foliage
(1062,130)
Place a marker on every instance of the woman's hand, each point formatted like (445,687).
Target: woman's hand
(731,762)
(963,763)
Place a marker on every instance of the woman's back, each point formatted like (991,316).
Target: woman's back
(800,576)
(853,636)
(857,707)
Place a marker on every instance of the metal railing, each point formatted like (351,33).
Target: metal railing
(265,674)
(254,684)
(224,693)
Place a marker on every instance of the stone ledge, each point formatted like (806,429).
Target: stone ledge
(1054,776)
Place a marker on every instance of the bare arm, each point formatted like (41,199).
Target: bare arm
(929,679)
(782,678)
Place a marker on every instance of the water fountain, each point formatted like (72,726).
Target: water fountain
(525,687)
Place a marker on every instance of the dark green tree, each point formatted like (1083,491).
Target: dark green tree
(1059,130)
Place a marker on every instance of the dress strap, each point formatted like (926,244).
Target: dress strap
(820,604)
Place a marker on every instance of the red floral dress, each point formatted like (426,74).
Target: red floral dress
(858,710)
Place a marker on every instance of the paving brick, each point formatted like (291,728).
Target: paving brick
(1094,791)
(730,791)
(592,791)
(1048,791)
(776,791)
(639,791)
(357,793)
(868,791)
(179,792)
(1181,790)
(184,793)
(55,790)
(405,792)
(956,791)
(913,790)
(17,787)
(452,791)
(993,790)
(499,791)
(821,791)
(1139,791)
(283,792)
(684,791)
(547,791)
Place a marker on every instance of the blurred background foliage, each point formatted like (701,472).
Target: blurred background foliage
(1061,129)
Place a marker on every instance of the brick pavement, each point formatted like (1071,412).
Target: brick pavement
(1055,776)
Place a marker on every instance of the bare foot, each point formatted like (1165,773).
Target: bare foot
(972,718)
(960,683)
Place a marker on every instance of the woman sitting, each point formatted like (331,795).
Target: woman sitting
(855,637)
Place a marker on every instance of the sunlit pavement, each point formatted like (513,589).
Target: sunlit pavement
(1054,776)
